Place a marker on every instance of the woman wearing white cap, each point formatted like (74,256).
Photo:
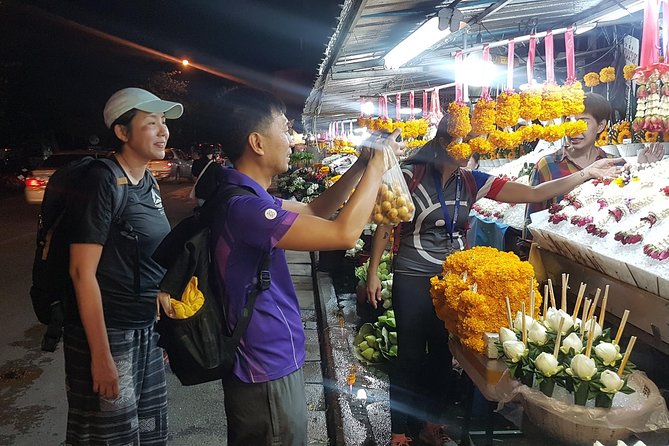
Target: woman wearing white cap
(115,375)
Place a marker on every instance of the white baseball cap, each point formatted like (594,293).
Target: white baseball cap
(125,100)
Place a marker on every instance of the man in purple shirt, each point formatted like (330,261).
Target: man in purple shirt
(265,401)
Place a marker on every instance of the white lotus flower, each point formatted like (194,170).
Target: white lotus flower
(582,367)
(598,329)
(547,364)
(553,320)
(572,341)
(506,335)
(608,352)
(611,381)
(514,350)
(537,334)
(518,322)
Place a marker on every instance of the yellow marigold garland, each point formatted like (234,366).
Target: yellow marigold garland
(476,305)
(530,104)
(505,140)
(591,79)
(553,133)
(460,151)
(574,128)
(483,117)
(529,133)
(481,145)
(572,99)
(551,103)
(607,74)
(459,124)
(508,109)
(628,71)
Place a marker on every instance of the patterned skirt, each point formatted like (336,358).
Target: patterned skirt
(139,414)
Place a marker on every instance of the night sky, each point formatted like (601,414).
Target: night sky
(61,60)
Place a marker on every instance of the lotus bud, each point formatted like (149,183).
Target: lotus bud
(598,329)
(608,353)
(537,334)
(506,335)
(518,322)
(514,350)
(582,367)
(572,341)
(547,364)
(553,320)
(611,382)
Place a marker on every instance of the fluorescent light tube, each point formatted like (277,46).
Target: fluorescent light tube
(620,12)
(423,38)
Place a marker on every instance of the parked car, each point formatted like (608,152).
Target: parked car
(176,165)
(37,180)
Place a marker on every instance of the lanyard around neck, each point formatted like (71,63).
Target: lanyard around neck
(449,225)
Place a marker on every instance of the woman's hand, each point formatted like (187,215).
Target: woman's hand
(604,168)
(651,153)
(373,289)
(163,300)
(105,376)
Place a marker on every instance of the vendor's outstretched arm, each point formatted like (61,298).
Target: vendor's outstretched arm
(513,192)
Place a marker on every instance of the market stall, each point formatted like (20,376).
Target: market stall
(609,235)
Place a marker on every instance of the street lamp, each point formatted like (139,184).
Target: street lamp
(185,62)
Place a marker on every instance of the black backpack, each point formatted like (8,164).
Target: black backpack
(51,284)
(199,348)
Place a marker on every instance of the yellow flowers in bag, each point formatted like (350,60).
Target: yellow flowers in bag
(192,300)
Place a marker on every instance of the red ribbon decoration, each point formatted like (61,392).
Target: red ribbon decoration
(571,58)
(398,107)
(511,54)
(485,89)
(530,59)
(651,34)
(412,100)
(458,82)
(424,103)
(550,57)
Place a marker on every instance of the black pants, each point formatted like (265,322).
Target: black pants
(421,377)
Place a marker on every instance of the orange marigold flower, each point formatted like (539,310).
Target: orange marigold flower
(575,128)
(591,79)
(628,71)
(552,133)
(651,136)
(481,145)
(607,74)
(572,99)
(551,103)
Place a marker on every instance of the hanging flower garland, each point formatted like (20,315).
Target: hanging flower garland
(574,128)
(507,109)
(459,126)
(483,117)
(628,71)
(553,133)
(505,140)
(572,99)
(532,132)
(530,104)
(551,103)
(481,145)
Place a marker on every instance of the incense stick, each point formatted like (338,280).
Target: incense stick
(565,286)
(579,299)
(591,336)
(508,313)
(558,340)
(545,302)
(628,352)
(603,312)
(523,326)
(551,294)
(593,307)
(586,307)
(626,314)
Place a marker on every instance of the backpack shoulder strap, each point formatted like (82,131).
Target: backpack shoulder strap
(470,183)
(419,170)
(121,197)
